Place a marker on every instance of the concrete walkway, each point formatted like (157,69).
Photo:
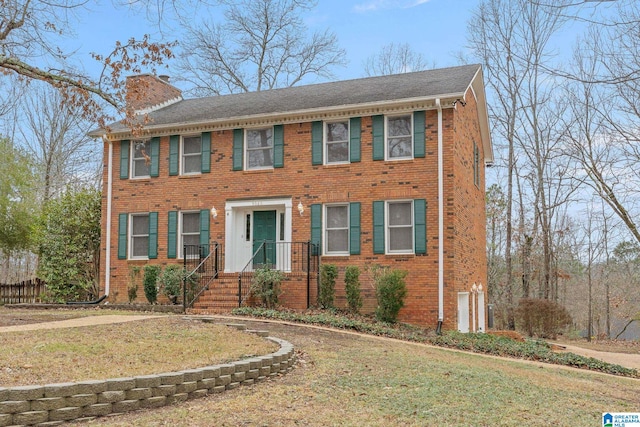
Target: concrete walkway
(74,323)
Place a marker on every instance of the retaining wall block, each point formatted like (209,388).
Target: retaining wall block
(227,369)
(218,389)
(30,418)
(97,410)
(81,400)
(232,386)
(48,403)
(171,378)
(138,393)
(4,394)
(252,374)
(192,375)
(6,420)
(254,363)
(120,384)
(177,398)
(187,387)
(61,390)
(91,387)
(27,392)
(148,381)
(126,406)
(210,372)
(111,396)
(153,402)
(51,424)
(242,366)
(164,390)
(14,406)
(250,381)
(207,383)
(223,380)
(264,371)
(196,394)
(238,377)
(65,414)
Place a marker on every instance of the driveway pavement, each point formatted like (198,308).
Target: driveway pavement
(80,321)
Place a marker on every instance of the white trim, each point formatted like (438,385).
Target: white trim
(181,171)
(181,231)
(325,239)
(245,147)
(386,136)
(387,226)
(132,160)
(130,236)
(107,261)
(158,106)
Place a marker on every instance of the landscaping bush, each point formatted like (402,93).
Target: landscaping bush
(391,290)
(170,282)
(542,318)
(326,294)
(265,285)
(132,287)
(352,288)
(150,282)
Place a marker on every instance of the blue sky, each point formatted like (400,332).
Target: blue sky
(434,28)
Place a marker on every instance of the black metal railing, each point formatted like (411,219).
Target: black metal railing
(202,264)
(290,257)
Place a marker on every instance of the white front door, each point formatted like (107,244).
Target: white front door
(481,312)
(463,312)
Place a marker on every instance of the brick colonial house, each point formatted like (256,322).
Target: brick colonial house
(383,171)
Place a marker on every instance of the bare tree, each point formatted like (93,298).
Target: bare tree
(395,59)
(263,44)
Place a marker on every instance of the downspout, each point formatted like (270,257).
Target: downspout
(440,221)
(107,260)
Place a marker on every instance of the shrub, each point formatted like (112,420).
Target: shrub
(352,288)
(391,290)
(132,287)
(265,285)
(170,282)
(150,282)
(542,318)
(327,291)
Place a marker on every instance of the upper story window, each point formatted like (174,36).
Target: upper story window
(139,236)
(400,227)
(191,155)
(259,148)
(336,229)
(140,159)
(337,142)
(399,137)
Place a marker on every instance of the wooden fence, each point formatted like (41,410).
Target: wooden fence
(27,291)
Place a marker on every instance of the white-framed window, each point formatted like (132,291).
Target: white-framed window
(140,159)
(336,229)
(336,140)
(400,223)
(399,137)
(191,155)
(259,148)
(189,228)
(139,236)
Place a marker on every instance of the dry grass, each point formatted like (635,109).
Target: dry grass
(120,350)
(17,316)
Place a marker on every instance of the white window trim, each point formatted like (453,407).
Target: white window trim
(325,240)
(133,159)
(181,162)
(180,232)
(386,136)
(246,149)
(130,236)
(387,228)
(325,142)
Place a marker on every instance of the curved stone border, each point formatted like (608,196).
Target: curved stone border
(53,404)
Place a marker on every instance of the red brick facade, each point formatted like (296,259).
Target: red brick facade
(365,181)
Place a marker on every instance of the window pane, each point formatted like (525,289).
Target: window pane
(260,158)
(400,239)
(191,145)
(191,239)
(259,138)
(400,213)
(140,225)
(191,222)
(338,152)
(191,164)
(141,160)
(337,240)
(399,126)
(141,168)
(400,147)
(337,216)
(337,131)
(140,246)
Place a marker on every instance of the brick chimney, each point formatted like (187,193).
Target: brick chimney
(146,93)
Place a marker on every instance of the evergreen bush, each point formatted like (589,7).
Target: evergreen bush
(326,294)
(352,288)
(150,282)
(265,285)
(391,290)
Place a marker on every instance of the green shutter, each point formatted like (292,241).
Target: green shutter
(172,236)
(124,159)
(155,157)
(354,228)
(378,227)
(206,152)
(204,231)
(123,220)
(418,134)
(378,137)
(153,235)
(420,225)
(278,146)
(238,137)
(316,228)
(174,154)
(316,143)
(354,139)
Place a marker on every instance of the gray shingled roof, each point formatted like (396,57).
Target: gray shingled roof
(421,84)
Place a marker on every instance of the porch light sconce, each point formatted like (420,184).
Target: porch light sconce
(300,208)
(214,212)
